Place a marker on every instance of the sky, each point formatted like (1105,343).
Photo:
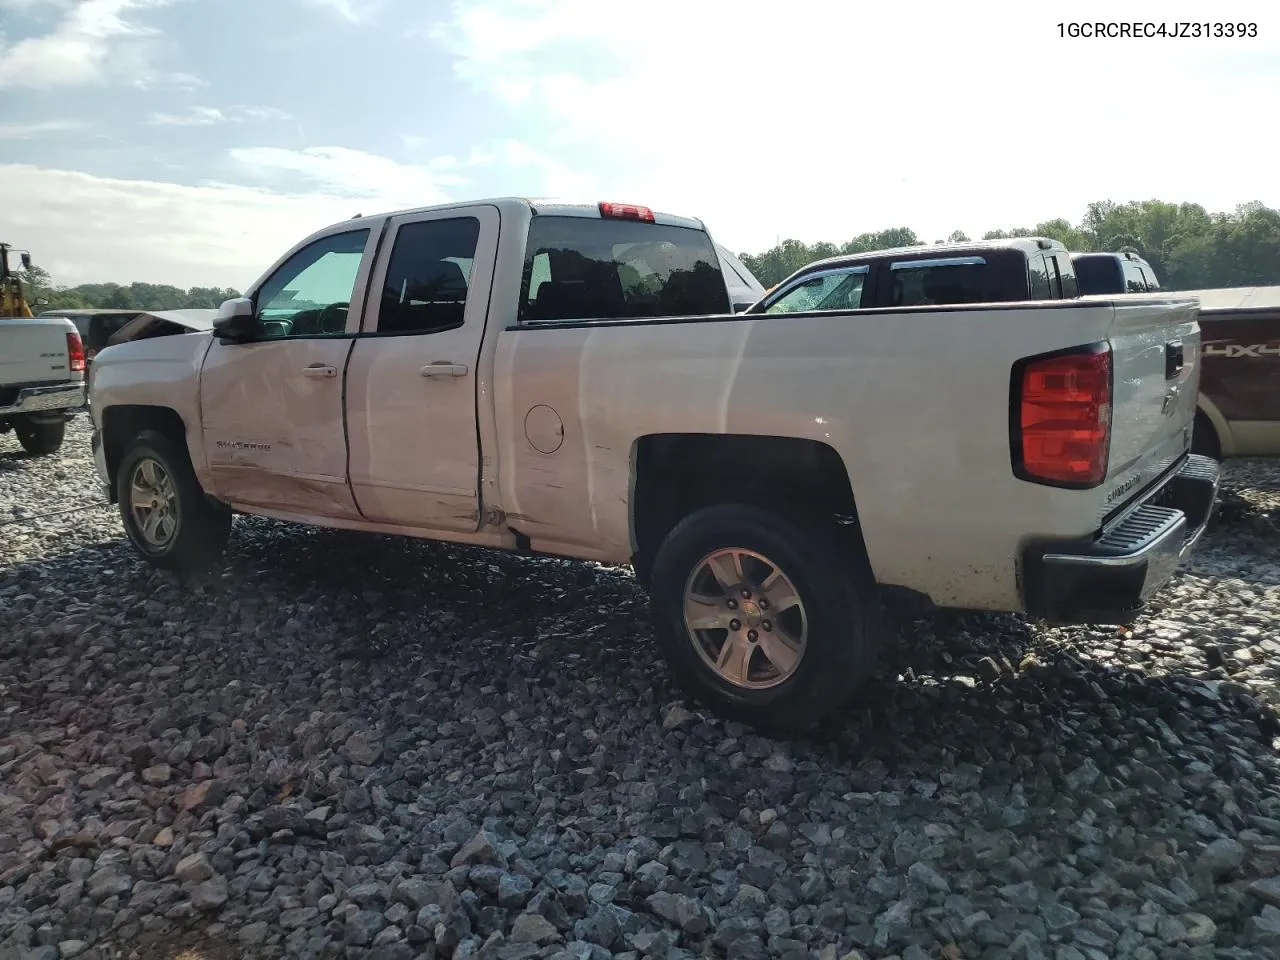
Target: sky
(194,141)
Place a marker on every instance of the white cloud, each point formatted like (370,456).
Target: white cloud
(835,118)
(554,178)
(354,174)
(39,129)
(26,6)
(83,228)
(352,11)
(93,41)
(211,116)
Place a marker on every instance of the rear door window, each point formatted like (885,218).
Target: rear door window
(1039,270)
(1068,286)
(581,268)
(428,277)
(1134,282)
(918,283)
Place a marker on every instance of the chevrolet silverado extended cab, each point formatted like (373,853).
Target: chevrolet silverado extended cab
(570,380)
(975,271)
(42,386)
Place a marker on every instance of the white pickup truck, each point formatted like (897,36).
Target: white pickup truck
(42,385)
(571,380)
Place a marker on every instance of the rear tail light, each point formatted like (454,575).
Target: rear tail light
(75,352)
(625,211)
(1060,417)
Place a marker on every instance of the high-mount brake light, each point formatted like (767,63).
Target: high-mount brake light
(625,211)
(75,352)
(1060,417)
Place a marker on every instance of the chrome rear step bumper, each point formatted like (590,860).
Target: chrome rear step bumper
(1109,578)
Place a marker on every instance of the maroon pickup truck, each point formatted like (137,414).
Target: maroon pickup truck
(1238,411)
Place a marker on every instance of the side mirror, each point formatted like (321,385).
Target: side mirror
(42,302)
(26,260)
(743,306)
(236,321)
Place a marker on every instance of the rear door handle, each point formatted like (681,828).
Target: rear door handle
(443,368)
(320,371)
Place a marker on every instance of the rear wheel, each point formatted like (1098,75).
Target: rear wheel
(771,621)
(41,439)
(166,515)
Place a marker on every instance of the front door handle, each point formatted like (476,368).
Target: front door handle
(320,371)
(443,368)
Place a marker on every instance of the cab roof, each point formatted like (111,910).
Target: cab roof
(1109,254)
(1027,245)
(539,206)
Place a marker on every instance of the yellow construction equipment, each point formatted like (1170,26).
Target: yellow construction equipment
(12,301)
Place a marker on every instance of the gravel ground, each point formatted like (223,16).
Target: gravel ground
(350,746)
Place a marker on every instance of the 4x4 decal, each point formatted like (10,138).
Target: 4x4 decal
(1236,350)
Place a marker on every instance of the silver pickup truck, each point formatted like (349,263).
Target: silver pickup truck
(42,384)
(573,380)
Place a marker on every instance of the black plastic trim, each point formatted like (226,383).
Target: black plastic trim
(1108,578)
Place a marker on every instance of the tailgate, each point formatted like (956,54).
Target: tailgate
(1155,344)
(33,351)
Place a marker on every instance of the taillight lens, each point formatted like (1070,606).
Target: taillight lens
(75,352)
(1062,417)
(626,211)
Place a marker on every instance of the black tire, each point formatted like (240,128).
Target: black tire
(41,439)
(835,584)
(202,527)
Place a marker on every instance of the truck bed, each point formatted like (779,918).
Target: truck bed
(915,402)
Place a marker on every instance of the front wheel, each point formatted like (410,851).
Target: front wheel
(166,515)
(41,439)
(766,620)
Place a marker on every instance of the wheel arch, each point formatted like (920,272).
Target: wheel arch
(674,474)
(121,423)
(1207,412)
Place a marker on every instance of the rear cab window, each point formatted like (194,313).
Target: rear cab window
(583,268)
(1098,275)
(1063,274)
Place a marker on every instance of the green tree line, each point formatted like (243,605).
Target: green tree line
(116,296)
(1189,247)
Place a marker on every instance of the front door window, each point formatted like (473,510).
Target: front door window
(310,295)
